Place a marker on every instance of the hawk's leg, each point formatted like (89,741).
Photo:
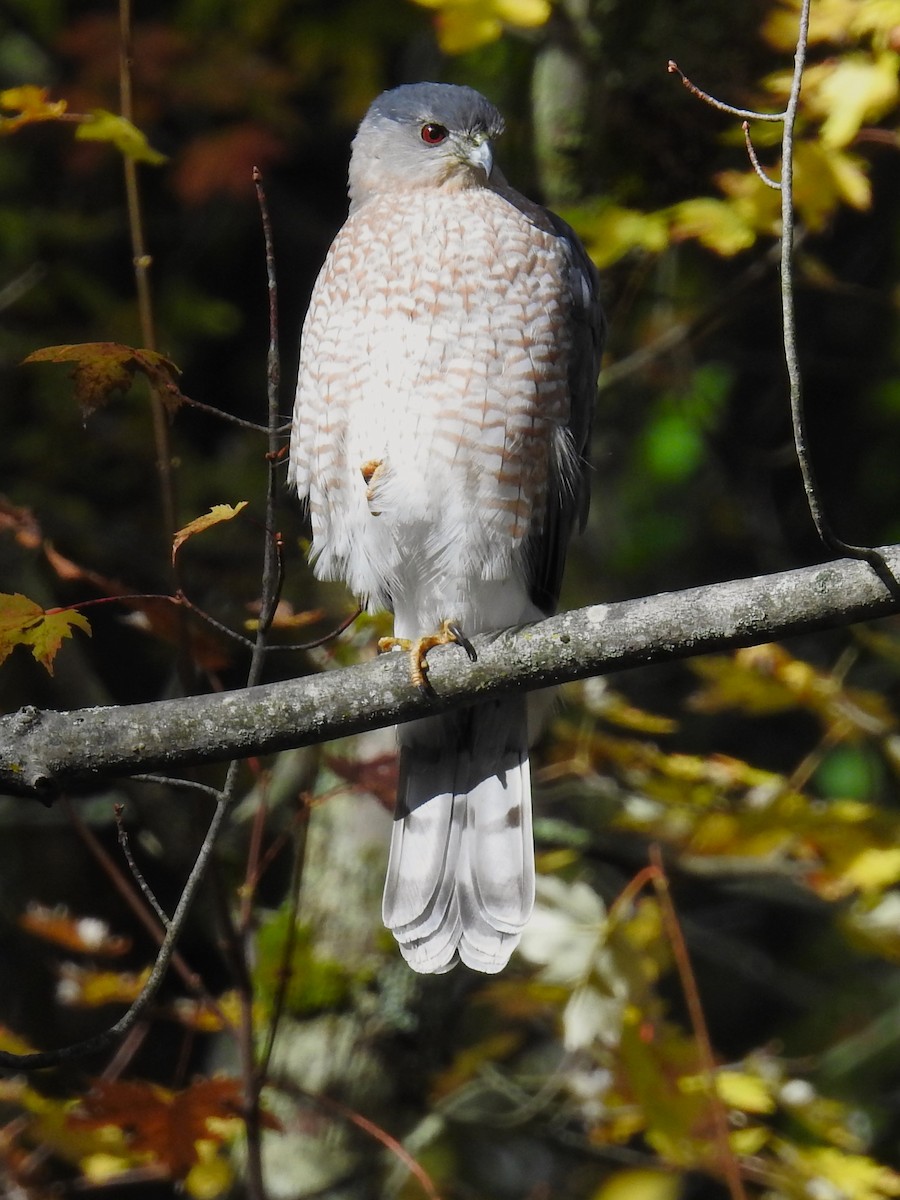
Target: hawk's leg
(371,469)
(448,634)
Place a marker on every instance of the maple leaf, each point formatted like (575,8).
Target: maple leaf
(24,623)
(29,104)
(103,368)
(215,516)
(167,1125)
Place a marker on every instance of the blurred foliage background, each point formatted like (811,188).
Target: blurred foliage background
(770,778)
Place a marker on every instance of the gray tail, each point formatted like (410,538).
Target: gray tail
(460,879)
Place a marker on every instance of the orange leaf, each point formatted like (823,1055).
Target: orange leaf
(103,368)
(29,104)
(217,514)
(165,1124)
(21,523)
(85,935)
(24,623)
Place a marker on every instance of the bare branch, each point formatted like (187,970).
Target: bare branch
(754,161)
(42,753)
(749,114)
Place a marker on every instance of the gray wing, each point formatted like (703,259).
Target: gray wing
(566,503)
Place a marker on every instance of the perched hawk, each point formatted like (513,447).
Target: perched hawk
(447,378)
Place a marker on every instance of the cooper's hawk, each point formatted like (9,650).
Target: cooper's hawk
(447,376)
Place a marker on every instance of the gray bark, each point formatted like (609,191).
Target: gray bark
(44,752)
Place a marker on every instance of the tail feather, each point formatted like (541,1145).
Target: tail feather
(460,880)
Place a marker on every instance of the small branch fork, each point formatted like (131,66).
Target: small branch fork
(788,119)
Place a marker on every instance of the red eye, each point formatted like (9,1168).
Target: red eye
(433,134)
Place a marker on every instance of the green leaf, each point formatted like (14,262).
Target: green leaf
(103,126)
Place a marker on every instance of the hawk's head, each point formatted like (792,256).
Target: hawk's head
(424,135)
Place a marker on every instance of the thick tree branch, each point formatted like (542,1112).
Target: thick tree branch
(44,752)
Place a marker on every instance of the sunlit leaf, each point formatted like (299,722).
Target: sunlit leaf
(849,91)
(591,1014)
(24,623)
(566,931)
(640,1183)
(745,1092)
(104,126)
(81,987)
(27,104)
(610,231)
(87,935)
(829,21)
(464,25)
(212,1176)
(715,223)
(216,515)
(767,679)
(854,1176)
(169,1126)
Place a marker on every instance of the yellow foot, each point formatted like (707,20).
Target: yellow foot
(371,469)
(418,648)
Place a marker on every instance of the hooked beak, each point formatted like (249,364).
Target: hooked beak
(481,155)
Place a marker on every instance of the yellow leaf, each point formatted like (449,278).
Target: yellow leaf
(105,126)
(463,25)
(460,30)
(29,104)
(610,231)
(212,1176)
(749,1140)
(101,1169)
(83,988)
(851,179)
(743,1091)
(850,91)
(874,869)
(829,21)
(640,1183)
(217,514)
(24,623)
(853,1176)
(716,224)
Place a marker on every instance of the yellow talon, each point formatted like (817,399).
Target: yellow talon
(418,648)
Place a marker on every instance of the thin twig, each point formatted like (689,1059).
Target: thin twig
(749,113)
(798,418)
(13,291)
(272,572)
(221,415)
(142,262)
(795,379)
(136,873)
(754,161)
(112,1035)
(284,974)
(727,1159)
(184,785)
(270,590)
